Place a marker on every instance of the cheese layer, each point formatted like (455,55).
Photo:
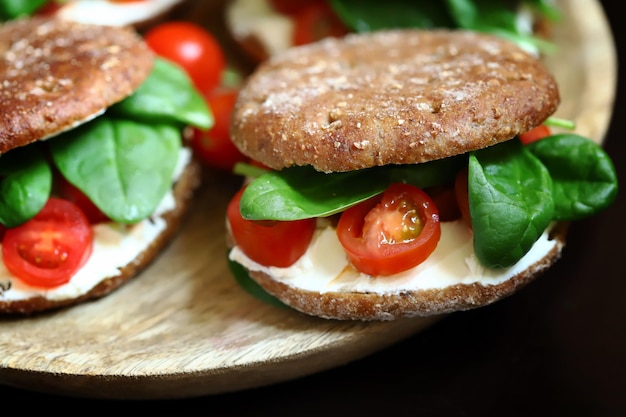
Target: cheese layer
(325,267)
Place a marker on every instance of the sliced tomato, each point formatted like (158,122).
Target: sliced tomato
(392,232)
(290,7)
(192,47)
(535,134)
(444,197)
(49,8)
(47,250)
(69,192)
(214,146)
(274,243)
(316,21)
(462,195)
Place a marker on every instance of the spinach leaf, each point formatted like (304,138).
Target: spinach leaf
(584,180)
(510,202)
(546,8)
(11,9)
(472,14)
(302,192)
(371,15)
(251,287)
(492,16)
(25,185)
(123,166)
(429,174)
(497,18)
(167,94)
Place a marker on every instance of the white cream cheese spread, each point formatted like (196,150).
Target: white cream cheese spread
(324,267)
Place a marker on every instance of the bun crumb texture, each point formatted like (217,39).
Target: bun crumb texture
(390,97)
(56,74)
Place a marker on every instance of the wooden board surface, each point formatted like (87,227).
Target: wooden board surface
(185,328)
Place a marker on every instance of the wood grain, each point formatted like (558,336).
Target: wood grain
(185,328)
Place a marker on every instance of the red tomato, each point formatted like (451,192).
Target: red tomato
(214,146)
(69,192)
(535,134)
(290,7)
(193,48)
(47,250)
(48,9)
(269,243)
(315,22)
(444,197)
(392,232)
(462,196)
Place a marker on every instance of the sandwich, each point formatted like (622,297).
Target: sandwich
(392,179)
(96,174)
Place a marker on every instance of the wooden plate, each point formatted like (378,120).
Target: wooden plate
(185,328)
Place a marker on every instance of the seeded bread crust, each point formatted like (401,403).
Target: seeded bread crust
(56,74)
(183,194)
(372,306)
(390,97)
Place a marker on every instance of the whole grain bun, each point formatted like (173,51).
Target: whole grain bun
(358,303)
(183,194)
(44,92)
(391,97)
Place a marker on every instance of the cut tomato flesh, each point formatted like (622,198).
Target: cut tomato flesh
(47,250)
(392,233)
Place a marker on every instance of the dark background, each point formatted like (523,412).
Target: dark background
(556,348)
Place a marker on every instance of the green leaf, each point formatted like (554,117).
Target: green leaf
(371,15)
(429,174)
(490,16)
(123,166)
(464,12)
(251,287)
(11,9)
(167,94)
(510,202)
(301,192)
(25,185)
(583,176)
(546,8)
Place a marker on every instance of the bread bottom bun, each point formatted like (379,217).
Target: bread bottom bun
(322,283)
(120,253)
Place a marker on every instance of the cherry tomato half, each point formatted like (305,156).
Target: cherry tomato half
(277,243)
(47,250)
(316,21)
(444,197)
(392,232)
(535,134)
(214,146)
(290,7)
(193,48)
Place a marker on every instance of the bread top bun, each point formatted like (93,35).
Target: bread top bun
(57,74)
(390,97)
